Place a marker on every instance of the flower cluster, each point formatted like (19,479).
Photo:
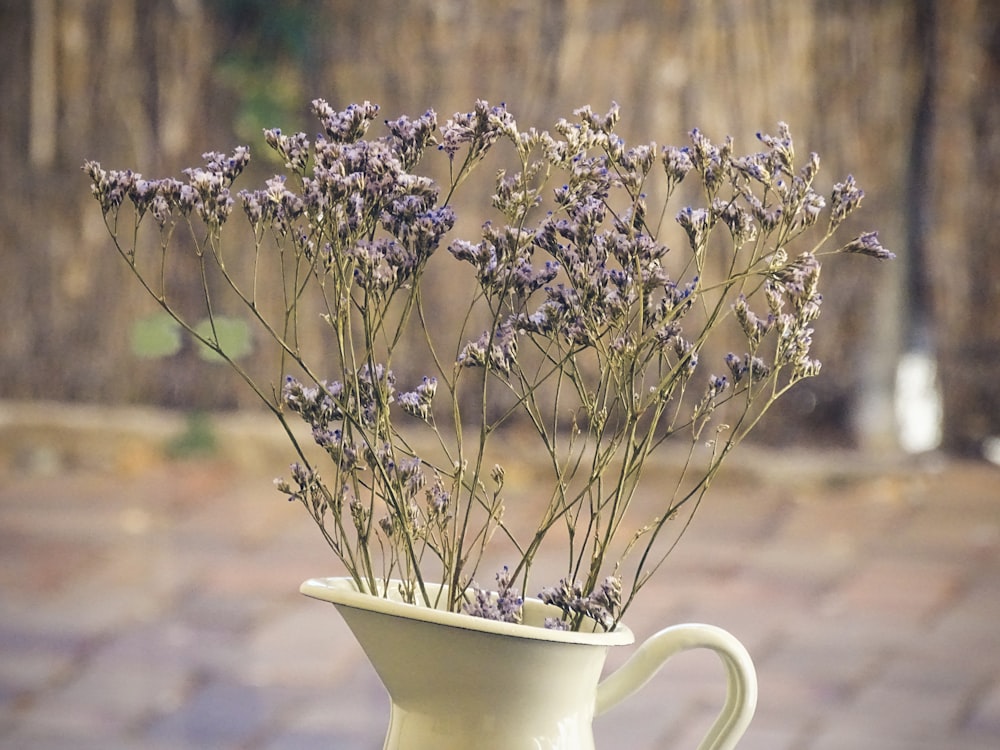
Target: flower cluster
(602,605)
(583,314)
(205,193)
(478,130)
(503,605)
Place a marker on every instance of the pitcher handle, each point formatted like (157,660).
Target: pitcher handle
(741,679)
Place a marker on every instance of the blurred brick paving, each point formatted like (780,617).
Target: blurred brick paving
(153,604)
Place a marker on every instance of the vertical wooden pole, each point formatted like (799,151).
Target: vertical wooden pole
(43,102)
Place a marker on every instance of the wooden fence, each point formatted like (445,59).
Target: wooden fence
(902,93)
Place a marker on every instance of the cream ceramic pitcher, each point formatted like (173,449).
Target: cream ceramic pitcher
(457,682)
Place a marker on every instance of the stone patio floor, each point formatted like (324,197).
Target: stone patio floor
(152,603)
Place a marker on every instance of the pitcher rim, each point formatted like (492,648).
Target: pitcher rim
(343,591)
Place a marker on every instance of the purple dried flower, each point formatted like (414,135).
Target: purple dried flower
(608,595)
(110,187)
(525,279)
(502,261)
(305,479)
(142,193)
(756,167)
(812,204)
(601,123)
(794,343)
(344,454)
(318,406)
(676,163)
(438,499)
(697,223)
(424,234)
(514,194)
(418,402)
(635,165)
(227,167)
(602,605)
(798,281)
(480,129)
(274,204)
(736,218)
(686,354)
(780,146)
(499,350)
(348,126)
(847,197)
(809,170)
(481,255)
(408,476)
(294,149)
(665,335)
(716,385)
(160,208)
(388,527)
(566,313)
(411,137)
(867,244)
(565,595)
(252,206)
(402,479)
(768,217)
(753,326)
(755,366)
(676,299)
(710,160)
(379,263)
(504,605)
(376,390)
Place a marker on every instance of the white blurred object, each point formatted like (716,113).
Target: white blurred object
(991,450)
(918,402)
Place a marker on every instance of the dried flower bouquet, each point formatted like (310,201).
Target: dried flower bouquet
(582,320)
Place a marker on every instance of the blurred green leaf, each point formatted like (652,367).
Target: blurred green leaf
(231,334)
(154,336)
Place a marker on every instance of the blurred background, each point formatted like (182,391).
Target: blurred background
(902,94)
(148,570)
